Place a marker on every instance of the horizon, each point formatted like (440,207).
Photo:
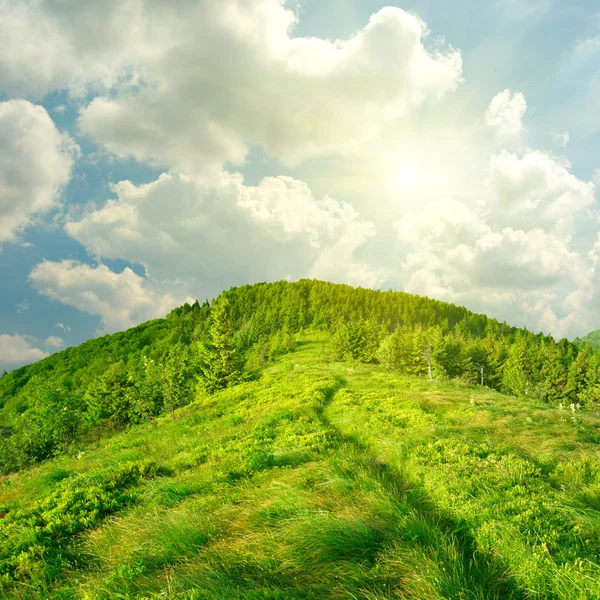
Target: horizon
(151,155)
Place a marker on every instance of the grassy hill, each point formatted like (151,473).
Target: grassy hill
(318,479)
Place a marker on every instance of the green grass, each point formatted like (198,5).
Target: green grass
(318,480)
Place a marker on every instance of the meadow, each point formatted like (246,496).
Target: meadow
(319,479)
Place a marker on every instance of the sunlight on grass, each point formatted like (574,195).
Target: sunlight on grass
(321,480)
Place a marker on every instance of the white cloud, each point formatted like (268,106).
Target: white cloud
(62,326)
(16,351)
(295,97)
(454,254)
(47,45)
(505,115)
(54,342)
(368,107)
(448,236)
(209,233)
(534,191)
(122,300)
(35,164)
(561,138)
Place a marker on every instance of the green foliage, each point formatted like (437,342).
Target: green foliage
(515,378)
(135,376)
(358,340)
(220,362)
(111,394)
(49,426)
(33,547)
(319,480)
(176,374)
(592,339)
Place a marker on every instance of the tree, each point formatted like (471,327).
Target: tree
(393,350)
(109,395)
(576,375)
(149,392)
(552,374)
(515,378)
(174,375)
(281,343)
(220,362)
(448,357)
(51,425)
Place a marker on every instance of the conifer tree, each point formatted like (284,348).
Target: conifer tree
(392,351)
(576,375)
(220,362)
(515,376)
(174,374)
(552,374)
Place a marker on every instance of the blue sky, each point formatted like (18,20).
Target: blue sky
(445,148)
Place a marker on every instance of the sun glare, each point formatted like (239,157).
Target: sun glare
(407,177)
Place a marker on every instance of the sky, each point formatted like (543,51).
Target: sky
(152,153)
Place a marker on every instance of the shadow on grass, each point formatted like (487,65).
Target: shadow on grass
(478,571)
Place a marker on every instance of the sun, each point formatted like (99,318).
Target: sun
(407,177)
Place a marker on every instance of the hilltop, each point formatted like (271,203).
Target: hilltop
(304,440)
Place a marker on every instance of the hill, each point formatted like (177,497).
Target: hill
(592,338)
(115,381)
(304,440)
(320,479)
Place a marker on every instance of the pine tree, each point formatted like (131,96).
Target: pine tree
(552,375)
(220,362)
(109,395)
(174,374)
(515,376)
(393,350)
(576,375)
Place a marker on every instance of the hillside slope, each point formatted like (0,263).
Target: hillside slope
(131,377)
(592,338)
(317,480)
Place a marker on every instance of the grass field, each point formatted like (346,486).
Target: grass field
(317,480)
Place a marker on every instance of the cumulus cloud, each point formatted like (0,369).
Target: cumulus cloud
(47,45)
(534,191)
(62,326)
(15,351)
(505,115)
(54,342)
(211,232)
(448,236)
(296,97)
(122,300)
(455,254)
(367,106)
(36,161)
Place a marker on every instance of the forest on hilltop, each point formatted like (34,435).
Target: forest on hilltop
(592,339)
(52,406)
